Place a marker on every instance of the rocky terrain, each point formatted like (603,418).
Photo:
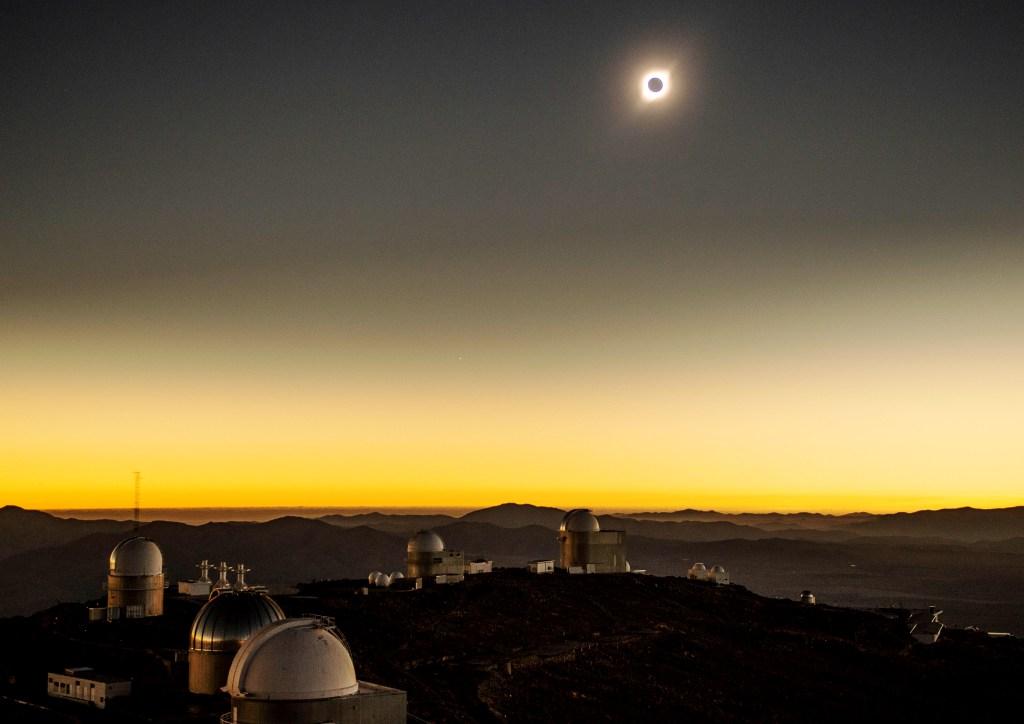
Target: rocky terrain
(515,647)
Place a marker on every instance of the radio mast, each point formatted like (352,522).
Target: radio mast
(138,493)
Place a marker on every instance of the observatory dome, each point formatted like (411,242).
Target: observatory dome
(426,541)
(293,659)
(580,520)
(231,617)
(718,569)
(136,556)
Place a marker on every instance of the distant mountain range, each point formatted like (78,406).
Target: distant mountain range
(969,561)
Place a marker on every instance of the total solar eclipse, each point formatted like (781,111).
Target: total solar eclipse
(654,85)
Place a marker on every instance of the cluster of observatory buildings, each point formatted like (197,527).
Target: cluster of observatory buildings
(279,670)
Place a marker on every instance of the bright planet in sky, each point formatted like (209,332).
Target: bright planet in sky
(655,85)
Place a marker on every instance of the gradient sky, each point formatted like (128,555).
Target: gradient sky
(437,254)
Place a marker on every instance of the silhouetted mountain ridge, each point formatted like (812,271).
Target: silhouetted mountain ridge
(23,530)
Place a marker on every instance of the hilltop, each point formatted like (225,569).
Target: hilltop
(515,647)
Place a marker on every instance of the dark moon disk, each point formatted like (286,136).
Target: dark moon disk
(654,85)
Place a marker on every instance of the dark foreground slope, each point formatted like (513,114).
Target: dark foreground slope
(642,648)
(514,647)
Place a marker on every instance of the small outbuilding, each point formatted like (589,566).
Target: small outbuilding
(541,566)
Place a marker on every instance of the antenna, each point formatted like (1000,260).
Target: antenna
(222,581)
(138,493)
(240,571)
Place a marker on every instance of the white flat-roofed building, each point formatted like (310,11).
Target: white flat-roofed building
(547,566)
(88,686)
(479,566)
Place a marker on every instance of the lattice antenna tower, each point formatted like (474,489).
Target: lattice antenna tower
(138,498)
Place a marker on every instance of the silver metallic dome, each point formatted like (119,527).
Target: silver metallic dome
(293,659)
(426,541)
(231,617)
(579,520)
(136,556)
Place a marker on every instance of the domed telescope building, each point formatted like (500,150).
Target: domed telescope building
(220,628)
(585,548)
(427,558)
(299,671)
(135,579)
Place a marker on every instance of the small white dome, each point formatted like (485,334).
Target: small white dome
(136,556)
(580,520)
(296,658)
(426,541)
(698,567)
(395,575)
(372,578)
(383,580)
(718,569)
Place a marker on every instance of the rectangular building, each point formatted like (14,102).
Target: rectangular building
(87,686)
(479,566)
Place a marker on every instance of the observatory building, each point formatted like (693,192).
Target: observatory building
(719,575)
(697,572)
(427,558)
(299,671)
(587,548)
(220,628)
(135,581)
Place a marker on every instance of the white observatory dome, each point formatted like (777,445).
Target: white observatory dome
(426,541)
(383,580)
(136,556)
(718,569)
(395,575)
(372,578)
(296,658)
(580,520)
